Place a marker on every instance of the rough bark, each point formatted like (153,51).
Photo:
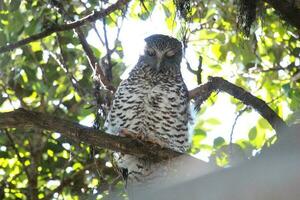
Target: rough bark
(21,118)
(288,9)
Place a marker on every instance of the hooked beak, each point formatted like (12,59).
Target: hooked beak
(158,65)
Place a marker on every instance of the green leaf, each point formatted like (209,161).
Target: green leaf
(213,121)
(264,124)
(252,133)
(198,136)
(218,142)
(216,50)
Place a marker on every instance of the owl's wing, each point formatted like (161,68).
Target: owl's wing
(127,109)
(113,120)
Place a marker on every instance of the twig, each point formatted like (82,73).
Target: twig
(12,144)
(107,68)
(94,64)
(64,27)
(93,24)
(296,77)
(62,63)
(234,123)
(198,72)
(32,184)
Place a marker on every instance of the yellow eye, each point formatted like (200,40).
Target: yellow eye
(170,53)
(150,52)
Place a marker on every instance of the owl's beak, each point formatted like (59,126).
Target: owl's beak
(158,65)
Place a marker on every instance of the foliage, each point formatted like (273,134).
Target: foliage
(53,75)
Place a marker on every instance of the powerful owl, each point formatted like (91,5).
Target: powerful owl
(152,103)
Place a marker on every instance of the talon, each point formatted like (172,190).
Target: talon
(156,141)
(126,133)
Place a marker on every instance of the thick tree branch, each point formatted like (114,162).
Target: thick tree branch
(64,27)
(288,10)
(21,118)
(219,84)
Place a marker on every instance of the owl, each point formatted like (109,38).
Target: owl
(152,103)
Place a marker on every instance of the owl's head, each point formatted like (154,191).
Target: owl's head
(162,52)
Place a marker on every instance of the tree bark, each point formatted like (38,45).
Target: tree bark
(288,9)
(22,118)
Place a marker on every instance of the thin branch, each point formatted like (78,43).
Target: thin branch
(189,68)
(98,70)
(62,63)
(234,123)
(296,77)
(108,66)
(13,145)
(99,74)
(203,92)
(64,27)
(198,72)
(32,184)
(93,24)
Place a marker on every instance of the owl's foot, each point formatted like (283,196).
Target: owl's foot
(142,138)
(156,141)
(136,136)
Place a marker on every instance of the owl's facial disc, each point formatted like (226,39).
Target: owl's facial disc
(160,59)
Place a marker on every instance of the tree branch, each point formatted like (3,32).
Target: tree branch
(64,27)
(202,93)
(22,118)
(288,10)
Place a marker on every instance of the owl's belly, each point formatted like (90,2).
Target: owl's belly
(166,118)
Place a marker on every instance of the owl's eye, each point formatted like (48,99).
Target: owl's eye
(150,52)
(170,53)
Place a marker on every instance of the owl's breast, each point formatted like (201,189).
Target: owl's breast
(167,115)
(127,111)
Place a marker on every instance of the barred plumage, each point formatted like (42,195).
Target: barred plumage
(152,103)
